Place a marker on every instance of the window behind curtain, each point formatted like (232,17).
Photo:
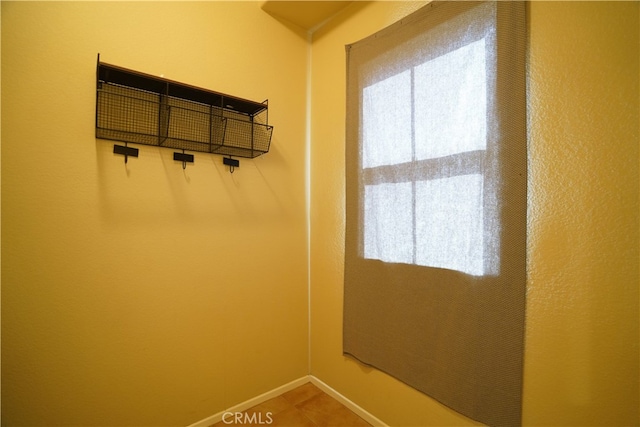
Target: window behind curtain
(436,205)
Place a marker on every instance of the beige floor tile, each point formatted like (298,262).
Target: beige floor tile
(325,411)
(291,418)
(275,405)
(305,406)
(302,393)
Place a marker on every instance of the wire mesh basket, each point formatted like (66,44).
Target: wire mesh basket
(221,125)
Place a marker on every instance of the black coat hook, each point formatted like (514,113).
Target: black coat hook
(126,151)
(184,158)
(232,163)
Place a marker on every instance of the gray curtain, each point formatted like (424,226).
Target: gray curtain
(435,255)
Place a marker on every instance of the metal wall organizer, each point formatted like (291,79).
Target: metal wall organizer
(134,107)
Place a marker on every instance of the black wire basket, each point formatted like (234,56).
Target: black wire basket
(137,108)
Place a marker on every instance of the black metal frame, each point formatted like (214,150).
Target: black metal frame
(139,108)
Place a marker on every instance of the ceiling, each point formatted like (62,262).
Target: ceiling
(305,14)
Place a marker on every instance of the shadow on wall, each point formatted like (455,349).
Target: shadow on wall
(155,189)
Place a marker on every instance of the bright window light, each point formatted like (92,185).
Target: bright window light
(387,122)
(434,110)
(388,222)
(449,224)
(451,103)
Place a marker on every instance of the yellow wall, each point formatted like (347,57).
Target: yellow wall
(144,294)
(582,321)
(148,295)
(582,332)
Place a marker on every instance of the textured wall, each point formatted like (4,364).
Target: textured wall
(581,360)
(582,335)
(144,294)
(149,295)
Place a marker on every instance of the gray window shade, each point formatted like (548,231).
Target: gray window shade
(435,255)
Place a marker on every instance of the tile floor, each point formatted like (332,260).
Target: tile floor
(305,406)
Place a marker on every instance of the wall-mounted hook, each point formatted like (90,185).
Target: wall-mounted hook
(232,163)
(126,151)
(184,158)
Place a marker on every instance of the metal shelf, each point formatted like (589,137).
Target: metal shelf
(139,108)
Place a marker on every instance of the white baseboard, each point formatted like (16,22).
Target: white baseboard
(252,402)
(368,417)
(365,415)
